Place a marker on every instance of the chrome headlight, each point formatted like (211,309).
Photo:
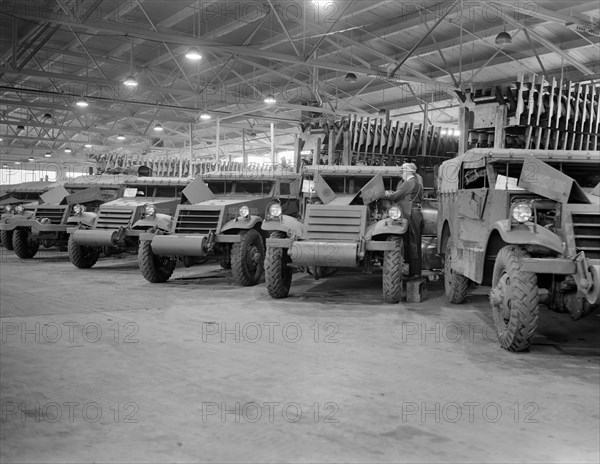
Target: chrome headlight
(150,210)
(244,211)
(521,212)
(19,209)
(274,210)
(79,209)
(7,208)
(394,213)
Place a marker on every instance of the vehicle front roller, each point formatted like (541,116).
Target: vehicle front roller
(456,285)
(24,245)
(514,299)
(6,236)
(247,259)
(155,268)
(392,272)
(83,257)
(278,275)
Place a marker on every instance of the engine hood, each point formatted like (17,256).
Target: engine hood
(139,201)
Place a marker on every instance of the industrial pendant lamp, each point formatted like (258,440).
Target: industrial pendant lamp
(503,38)
(193,54)
(205,116)
(158,127)
(131,81)
(350,77)
(121,137)
(270,99)
(82,103)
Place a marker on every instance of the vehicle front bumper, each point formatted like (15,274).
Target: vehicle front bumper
(328,254)
(35,226)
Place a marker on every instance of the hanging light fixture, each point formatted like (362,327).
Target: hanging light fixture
(68,150)
(131,81)
(47,116)
(31,159)
(158,127)
(193,54)
(82,103)
(121,137)
(48,155)
(350,77)
(270,99)
(20,128)
(205,116)
(17,162)
(503,38)
(88,145)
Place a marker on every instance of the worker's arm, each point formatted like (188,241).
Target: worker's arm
(403,190)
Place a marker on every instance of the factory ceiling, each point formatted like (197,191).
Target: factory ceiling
(325,59)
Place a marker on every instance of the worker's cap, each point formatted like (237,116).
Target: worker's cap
(409,167)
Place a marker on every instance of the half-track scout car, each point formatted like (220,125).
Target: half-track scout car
(18,197)
(345,225)
(528,223)
(222,223)
(46,222)
(147,205)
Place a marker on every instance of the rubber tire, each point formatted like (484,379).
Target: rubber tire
(242,273)
(517,333)
(392,272)
(25,247)
(155,268)
(278,275)
(82,257)
(6,236)
(456,285)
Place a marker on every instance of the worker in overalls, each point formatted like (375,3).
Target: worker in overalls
(408,195)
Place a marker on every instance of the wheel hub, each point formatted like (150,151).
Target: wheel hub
(500,296)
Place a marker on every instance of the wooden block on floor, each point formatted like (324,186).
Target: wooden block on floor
(415,290)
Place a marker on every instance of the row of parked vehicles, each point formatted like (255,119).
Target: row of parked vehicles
(520,223)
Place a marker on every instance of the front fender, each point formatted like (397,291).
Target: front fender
(289,225)
(241,224)
(160,221)
(387,227)
(86,218)
(524,234)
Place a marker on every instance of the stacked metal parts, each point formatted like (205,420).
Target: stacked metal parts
(537,114)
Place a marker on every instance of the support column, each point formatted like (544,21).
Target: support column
(191,170)
(244,154)
(425,129)
(273,160)
(218,140)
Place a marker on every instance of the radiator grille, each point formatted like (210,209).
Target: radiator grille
(587,234)
(335,223)
(113,218)
(192,221)
(54,214)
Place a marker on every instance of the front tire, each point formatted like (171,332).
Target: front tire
(25,247)
(514,299)
(456,285)
(6,236)
(278,275)
(247,259)
(155,268)
(392,272)
(83,257)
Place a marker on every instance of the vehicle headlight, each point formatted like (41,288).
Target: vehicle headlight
(522,212)
(274,210)
(394,213)
(79,209)
(19,209)
(244,211)
(150,210)
(7,208)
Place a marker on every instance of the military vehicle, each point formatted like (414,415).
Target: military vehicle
(46,223)
(147,205)
(223,223)
(527,223)
(345,224)
(22,196)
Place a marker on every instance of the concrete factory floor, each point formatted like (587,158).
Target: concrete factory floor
(101,366)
